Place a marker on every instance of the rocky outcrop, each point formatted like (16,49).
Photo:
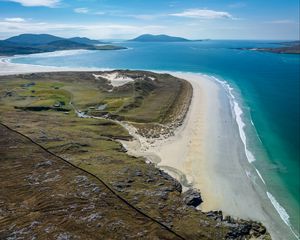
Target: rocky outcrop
(192,198)
(240,229)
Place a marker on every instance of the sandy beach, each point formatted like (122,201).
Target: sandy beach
(206,152)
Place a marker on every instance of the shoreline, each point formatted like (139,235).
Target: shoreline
(217,181)
(9,68)
(197,156)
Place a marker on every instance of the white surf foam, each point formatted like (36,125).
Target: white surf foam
(241,125)
(282,213)
(258,173)
(238,112)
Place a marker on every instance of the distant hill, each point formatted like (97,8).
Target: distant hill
(41,39)
(33,39)
(38,43)
(158,38)
(10,48)
(67,43)
(85,40)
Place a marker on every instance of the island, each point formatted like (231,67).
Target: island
(287,48)
(39,43)
(159,38)
(66,167)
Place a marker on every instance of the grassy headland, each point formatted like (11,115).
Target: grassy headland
(46,106)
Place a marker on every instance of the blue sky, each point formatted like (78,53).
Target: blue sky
(123,19)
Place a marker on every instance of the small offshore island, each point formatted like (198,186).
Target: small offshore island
(67,154)
(160,38)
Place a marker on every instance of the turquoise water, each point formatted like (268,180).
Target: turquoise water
(267,83)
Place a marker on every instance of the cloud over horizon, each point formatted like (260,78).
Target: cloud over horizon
(202,14)
(35,3)
(81,10)
(16,19)
(281,21)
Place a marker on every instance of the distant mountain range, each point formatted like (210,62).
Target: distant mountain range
(38,39)
(38,43)
(159,38)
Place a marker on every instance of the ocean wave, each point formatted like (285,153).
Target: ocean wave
(258,173)
(241,125)
(282,213)
(238,112)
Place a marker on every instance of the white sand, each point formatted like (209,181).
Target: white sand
(116,79)
(8,68)
(206,152)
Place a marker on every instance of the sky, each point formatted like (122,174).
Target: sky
(125,19)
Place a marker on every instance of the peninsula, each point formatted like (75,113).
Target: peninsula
(39,43)
(75,145)
(287,48)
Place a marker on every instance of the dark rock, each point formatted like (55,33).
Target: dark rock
(163,195)
(177,186)
(28,84)
(149,180)
(192,198)
(44,164)
(81,178)
(216,215)
(8,94)
(120,186)
(96,190)
(138,173)
(239,231)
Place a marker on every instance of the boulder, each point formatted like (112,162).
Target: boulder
(192,198)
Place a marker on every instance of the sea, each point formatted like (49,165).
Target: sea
(264,88)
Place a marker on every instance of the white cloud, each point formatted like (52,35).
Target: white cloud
(202,14)
(81,10)
(281,21)
(142,16)
(88,11)
(16,19)
(33,3)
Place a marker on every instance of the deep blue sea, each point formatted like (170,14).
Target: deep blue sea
(268,89)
